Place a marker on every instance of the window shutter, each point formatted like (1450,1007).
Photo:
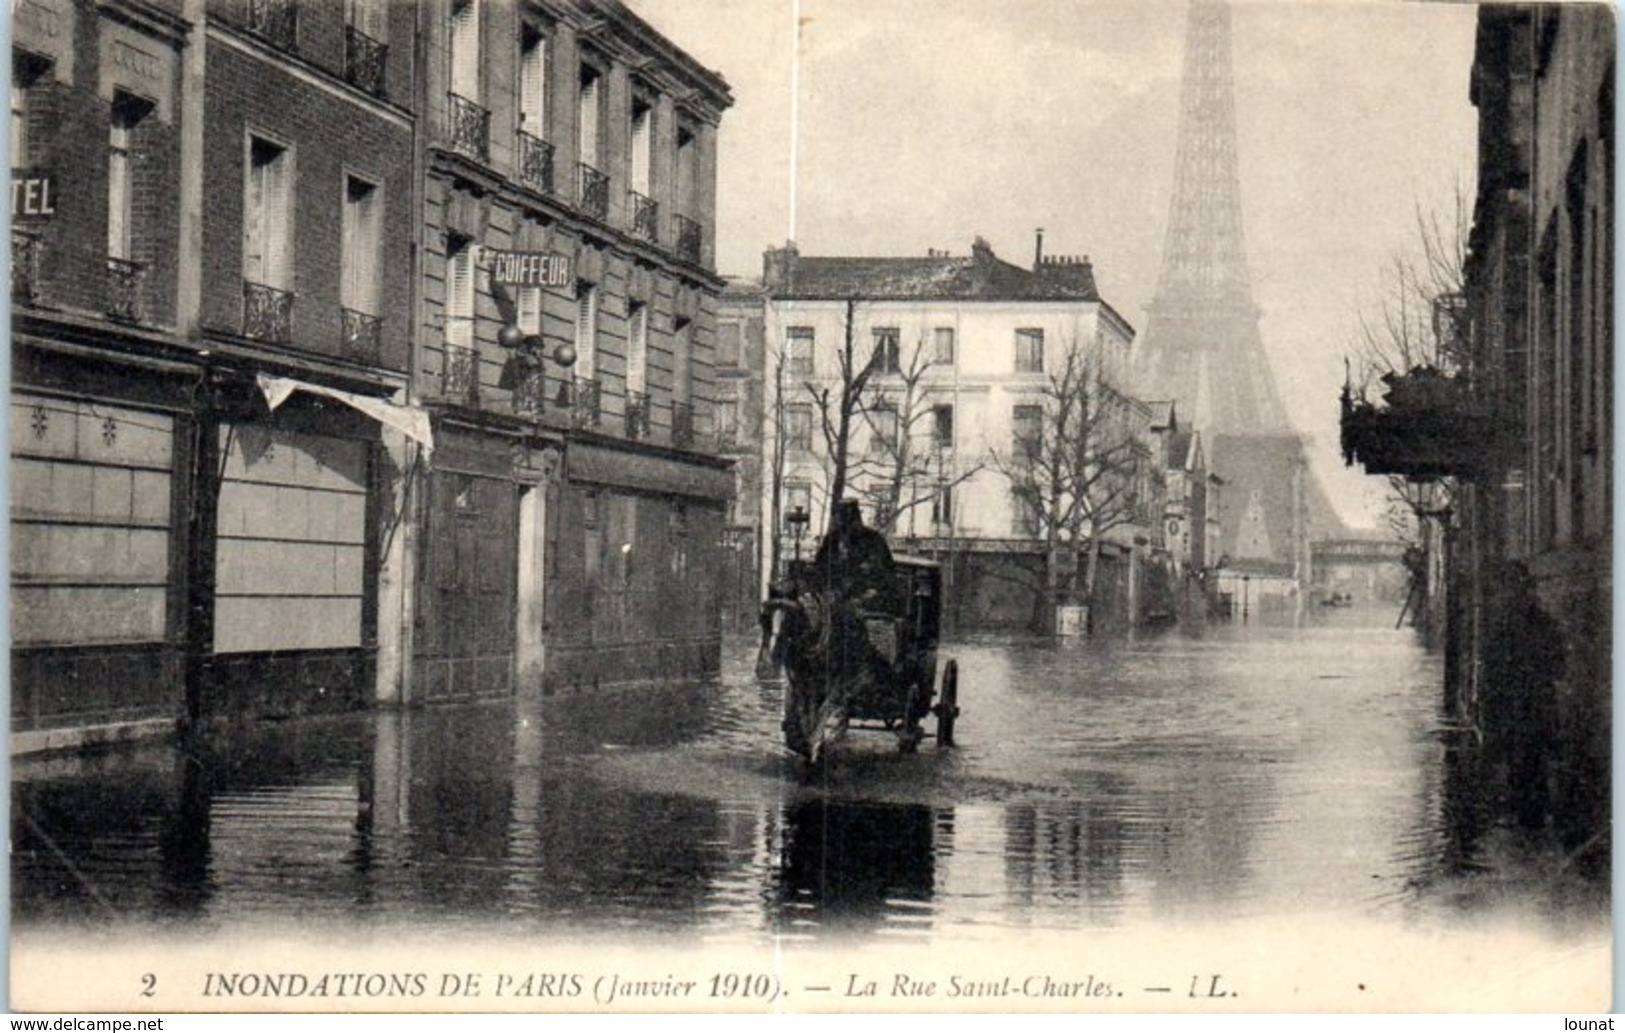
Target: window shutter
(118,186)
(460,297)
(637,359)
(588,137)
(533,87)
(277,215)
(586,329)
(465,50)
(642,150)
(529,304)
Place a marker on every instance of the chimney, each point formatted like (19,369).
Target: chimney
(1038,250)
(779,267)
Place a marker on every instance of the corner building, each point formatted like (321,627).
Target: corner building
(565,531)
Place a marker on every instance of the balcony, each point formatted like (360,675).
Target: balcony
(682,424)
(594,192)
(25,268)
(529,393)
(637,415)
(364,61)
(125,280)
(277,21)
(267,313)
(470,127)
(363,337)
(581,398)
(535,162)
(461,375)
(688,239)
(645,216)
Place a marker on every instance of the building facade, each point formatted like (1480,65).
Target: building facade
(275,447)
(1531,550)
(967,351)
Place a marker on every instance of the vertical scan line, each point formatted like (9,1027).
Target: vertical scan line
(795,110)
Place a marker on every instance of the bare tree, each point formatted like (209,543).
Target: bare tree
(905,464)
(1076,467)
(837,413)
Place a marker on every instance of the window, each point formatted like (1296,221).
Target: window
(366,17)
(729,338)
(27,72)
(642,147)
(682,356)
(1024,518)
(1029,350)
(459,292)
(883,423)
(942,426)
(586,330)
(943,351)
(266,214)
(465,49)
(127,113)
(589,115)
(533,82)
(361,243)
(887,347)
(687,174)
(798,427)
(637,347)
(528,307)
(798,350)
(728,421)
(1028,423)
(942,505)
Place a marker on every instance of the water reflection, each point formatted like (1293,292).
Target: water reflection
(1242,774)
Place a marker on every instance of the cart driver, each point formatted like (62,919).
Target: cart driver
(856,560)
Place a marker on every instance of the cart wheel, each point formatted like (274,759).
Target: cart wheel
(947,708)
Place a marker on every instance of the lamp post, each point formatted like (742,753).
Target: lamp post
(1246,581)
(797,520)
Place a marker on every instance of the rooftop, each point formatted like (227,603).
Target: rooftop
(979,276)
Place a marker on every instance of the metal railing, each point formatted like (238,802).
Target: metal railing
(637,415)
(682,424)
(125,280)
(275,20)
(594,192)
(462,373)
(535,162)
(470,127)
(688,239)
(25,268)
(267,313)
(363,337)
(582,397)
(529,393)
(645,215)
(364,61)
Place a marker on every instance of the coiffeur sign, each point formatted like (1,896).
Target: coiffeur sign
(528,268)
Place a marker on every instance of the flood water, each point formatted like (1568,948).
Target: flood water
(1251,772)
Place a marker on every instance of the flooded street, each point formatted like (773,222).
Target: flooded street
(1254,773)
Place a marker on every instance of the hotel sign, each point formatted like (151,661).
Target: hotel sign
(529,268)
(33,195)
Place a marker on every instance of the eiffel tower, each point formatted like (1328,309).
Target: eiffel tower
(1202,345)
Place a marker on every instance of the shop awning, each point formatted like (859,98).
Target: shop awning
(407,419)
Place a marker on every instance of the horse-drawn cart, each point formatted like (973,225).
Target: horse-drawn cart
(856,631)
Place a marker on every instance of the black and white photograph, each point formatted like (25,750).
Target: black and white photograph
(811,506)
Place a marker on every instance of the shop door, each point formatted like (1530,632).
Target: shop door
(467,570)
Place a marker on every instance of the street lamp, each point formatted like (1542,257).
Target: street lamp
(797,520)
(1246,580)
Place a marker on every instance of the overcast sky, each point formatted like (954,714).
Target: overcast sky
(923,123)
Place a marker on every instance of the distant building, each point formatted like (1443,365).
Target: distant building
(966,347)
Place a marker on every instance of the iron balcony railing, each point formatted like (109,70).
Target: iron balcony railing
(364,61)
(470,127)
(682,424)
(581,398)
(25,268)
(535,162)
(688,239)
(462,373)
(637,415)
(645,215)
(125,280)
(529,392)
(267,313)
(275,20)
(594,192)
(363,337)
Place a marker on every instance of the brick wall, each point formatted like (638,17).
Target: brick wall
(330,135)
